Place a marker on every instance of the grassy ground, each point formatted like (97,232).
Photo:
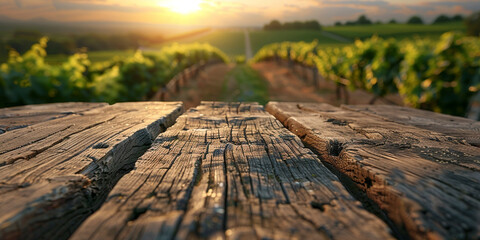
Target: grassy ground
(261,38)
(398,31)
(226,83)
(231,42)
(98,56)
(246,85)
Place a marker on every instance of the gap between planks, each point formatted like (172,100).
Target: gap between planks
(55,173)
(230,170)
(427,182)
(19,117)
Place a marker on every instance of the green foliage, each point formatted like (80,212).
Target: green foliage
(273,25)
(262,38)
(457,18)
(441,76)
(231,42)
(21,40)
(312,24)
(442,19)
(296,25)
(473,24)
(240,59)
(94,57)
(24,78)
(415,20)
(244,84)
(362,20)
(27,79)
(437,75)
(396,30)
(102,42)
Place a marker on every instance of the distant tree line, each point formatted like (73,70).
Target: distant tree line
(22,40)
(473,24)
(446,19)
(296,25)
(3,50)
(363,20)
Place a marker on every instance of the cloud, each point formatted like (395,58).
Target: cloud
(325,14)
(89,6)
(430,10)
(355,3)
(30,4)
(291,6)
(228,6)
(18,3)
(463,4)
(235,12)
(4,4)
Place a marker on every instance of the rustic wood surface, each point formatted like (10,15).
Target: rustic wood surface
(457,127)
(424,175)
(24,116)
(230,171)
(57,170)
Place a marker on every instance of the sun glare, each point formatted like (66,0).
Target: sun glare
(182,6)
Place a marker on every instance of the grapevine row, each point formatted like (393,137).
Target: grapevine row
(439,75)
(28,79)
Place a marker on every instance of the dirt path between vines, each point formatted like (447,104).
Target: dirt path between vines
(207,86)
(248,46)
(285,85)
(336,37)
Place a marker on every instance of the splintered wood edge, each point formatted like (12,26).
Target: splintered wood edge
(23,116)
(215,155)
(460,128)
(62,194)
(346,162)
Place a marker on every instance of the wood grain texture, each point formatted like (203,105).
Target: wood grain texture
(53,174)
(230,170)
(462,129)
(428,183)
(19,117)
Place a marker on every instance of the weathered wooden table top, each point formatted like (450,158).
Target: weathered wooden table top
(237,171)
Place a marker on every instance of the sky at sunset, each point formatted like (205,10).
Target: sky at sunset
(229,12)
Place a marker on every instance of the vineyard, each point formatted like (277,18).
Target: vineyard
(440,75)
(28,79)
(196,119)
(397,30)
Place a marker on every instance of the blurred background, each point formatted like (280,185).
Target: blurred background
(423,54)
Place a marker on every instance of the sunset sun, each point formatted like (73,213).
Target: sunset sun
(182,6)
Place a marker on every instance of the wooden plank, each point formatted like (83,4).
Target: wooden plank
(19,117)
(456,127)
(427,183)
(230,170)
(55,173)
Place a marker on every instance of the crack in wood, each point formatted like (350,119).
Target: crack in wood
(248,178)
(69,179)
(405,168)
